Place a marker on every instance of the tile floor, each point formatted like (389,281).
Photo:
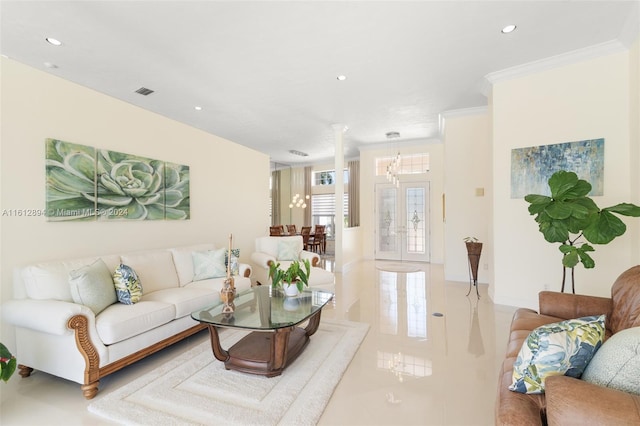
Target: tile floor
(415,367)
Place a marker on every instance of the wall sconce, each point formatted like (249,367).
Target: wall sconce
(298,201)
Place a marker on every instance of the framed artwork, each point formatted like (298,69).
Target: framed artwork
(532,167)
(84,183)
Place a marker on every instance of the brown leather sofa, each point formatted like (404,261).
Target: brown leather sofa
(569,401)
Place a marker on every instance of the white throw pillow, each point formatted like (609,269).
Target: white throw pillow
(209,264)
(617,364)
(92,286)
(288,250)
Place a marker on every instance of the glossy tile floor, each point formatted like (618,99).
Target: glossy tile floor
(431,356)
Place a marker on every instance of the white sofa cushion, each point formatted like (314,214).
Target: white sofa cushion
(119,322)
(185,299)
(92,286)
(154,268)
(50,280)
(183,260)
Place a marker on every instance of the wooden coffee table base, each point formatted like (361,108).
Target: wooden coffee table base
(265,353)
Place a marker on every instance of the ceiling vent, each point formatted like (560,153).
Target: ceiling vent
(300,153)
(144,91)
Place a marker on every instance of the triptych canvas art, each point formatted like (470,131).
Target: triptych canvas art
(86,183)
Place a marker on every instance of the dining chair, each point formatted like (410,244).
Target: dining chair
(305,231)
(291,229)
(320,238)
(276,231)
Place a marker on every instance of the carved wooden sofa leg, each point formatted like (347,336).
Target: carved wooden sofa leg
(90,390)
(24,371)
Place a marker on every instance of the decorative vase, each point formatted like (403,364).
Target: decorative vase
(474,249)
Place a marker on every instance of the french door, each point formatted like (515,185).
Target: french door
(402,221)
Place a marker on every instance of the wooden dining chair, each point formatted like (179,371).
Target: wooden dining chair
(276,231)
(305,231)
(291,229)
(320,238)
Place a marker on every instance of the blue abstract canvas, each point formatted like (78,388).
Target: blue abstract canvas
(532,167)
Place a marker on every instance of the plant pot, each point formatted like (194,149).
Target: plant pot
(290,290)
(473,252)
(291,304)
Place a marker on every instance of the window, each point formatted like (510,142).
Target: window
(328,177)
(323,211)
(409,164)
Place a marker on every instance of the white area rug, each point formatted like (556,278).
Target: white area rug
(195,388)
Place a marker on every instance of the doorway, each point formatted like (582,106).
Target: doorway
(402,221)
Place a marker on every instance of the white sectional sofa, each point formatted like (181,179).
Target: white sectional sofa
(66,339)
(282,250)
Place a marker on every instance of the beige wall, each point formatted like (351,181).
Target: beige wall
(229,183)
(468,169)
(367,196)
(586,100)
(634,158)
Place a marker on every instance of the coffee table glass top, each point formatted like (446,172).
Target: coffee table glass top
(261,308)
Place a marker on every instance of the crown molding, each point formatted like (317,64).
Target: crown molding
(569,58)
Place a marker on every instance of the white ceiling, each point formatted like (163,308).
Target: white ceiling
(265,72)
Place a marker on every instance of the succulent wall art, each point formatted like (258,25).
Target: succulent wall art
(85,183)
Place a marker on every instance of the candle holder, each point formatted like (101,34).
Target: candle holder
(228,292)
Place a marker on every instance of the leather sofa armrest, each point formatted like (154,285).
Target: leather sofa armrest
(574,401)
(47,316)
(262,259)
(569,306)
(314,258)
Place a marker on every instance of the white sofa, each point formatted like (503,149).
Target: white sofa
(66,339)
(271,249)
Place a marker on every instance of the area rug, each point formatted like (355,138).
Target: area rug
(195,388)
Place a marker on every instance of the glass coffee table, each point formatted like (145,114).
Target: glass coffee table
(276,339)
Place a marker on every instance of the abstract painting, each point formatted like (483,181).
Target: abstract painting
(532,167)
(84,183)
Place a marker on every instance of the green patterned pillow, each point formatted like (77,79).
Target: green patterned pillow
(288,250)
(563,348)
(128,286)
(235,266)
(209,264)
(617,363)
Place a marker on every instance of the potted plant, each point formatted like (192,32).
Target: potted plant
(7,363)
(569,215)
(293,279)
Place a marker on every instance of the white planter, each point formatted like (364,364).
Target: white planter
(290,290)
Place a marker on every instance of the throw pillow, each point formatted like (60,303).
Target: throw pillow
(288,250)
(617,364)
(92,286)
(235,266)
(208,264)
(128,286)
(563,348)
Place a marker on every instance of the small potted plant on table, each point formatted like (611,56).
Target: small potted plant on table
(293,279)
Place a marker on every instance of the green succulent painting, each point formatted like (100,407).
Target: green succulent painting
(84,184)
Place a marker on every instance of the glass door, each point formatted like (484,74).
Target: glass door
(402,221)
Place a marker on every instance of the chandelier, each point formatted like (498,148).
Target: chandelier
(298,201)
(393,170)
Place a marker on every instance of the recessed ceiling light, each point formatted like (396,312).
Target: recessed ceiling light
(508,29)
(53,41)
(341,77)
(50,65)
(198,108)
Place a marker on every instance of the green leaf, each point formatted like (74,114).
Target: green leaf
(562,182)
(571,259)
(537,199)
(559,210)
(586,260)
(605,228)
(579,190)
(625,209)
(554,231)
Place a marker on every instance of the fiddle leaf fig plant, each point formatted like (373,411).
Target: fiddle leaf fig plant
(569,215)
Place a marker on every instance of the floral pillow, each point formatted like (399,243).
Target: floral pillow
(128,286)
(563,348)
